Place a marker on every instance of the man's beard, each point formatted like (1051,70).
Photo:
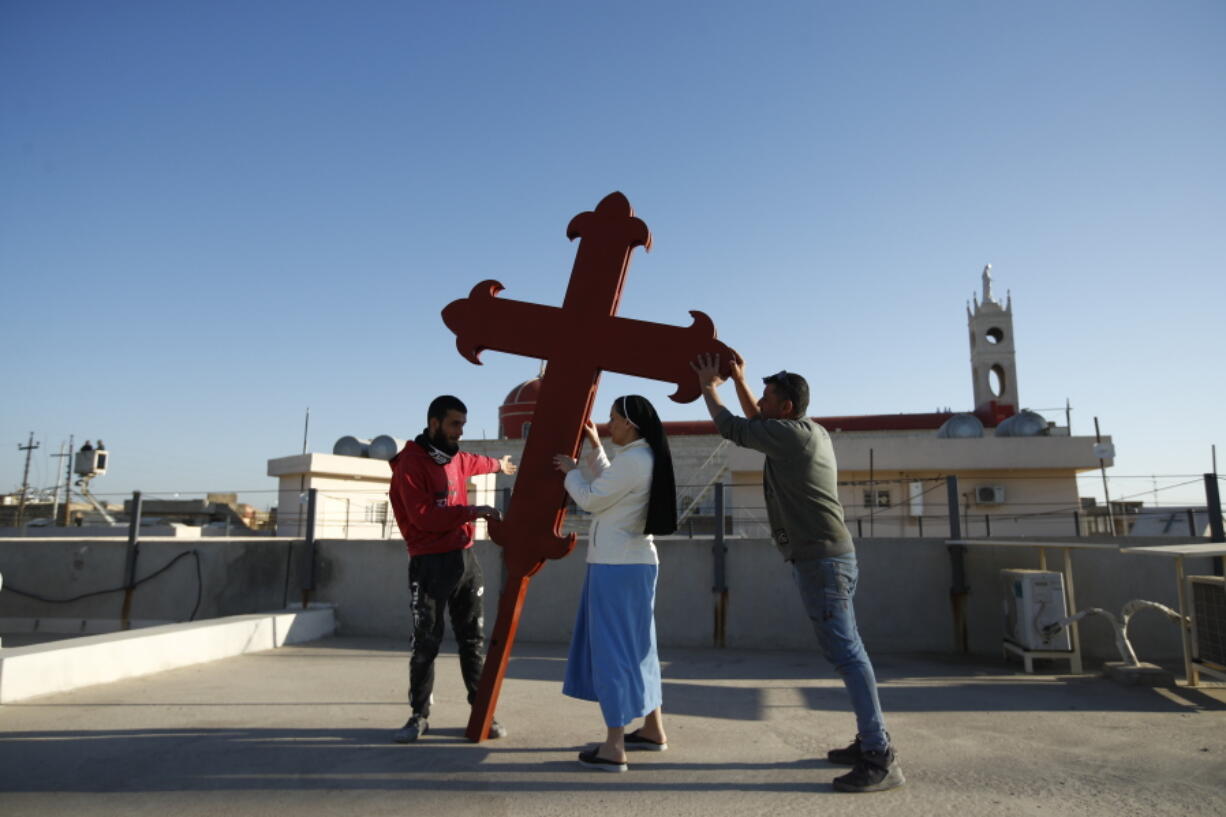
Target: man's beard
(440,441)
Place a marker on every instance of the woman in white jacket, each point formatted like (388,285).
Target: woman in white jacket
(613,650)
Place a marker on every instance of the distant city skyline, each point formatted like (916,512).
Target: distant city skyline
(216,215)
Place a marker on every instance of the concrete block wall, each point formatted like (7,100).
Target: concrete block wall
(903,601)
(236,576)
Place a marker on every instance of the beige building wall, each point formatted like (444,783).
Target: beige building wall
(1031,482)
(1034,479)
(352,501)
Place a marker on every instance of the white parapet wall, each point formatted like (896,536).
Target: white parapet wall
(59,666)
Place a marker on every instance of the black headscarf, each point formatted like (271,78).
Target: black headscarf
(662,505)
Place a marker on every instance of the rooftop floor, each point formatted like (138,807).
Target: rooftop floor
(306,730)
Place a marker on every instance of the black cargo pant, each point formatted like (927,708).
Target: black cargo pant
(451,581)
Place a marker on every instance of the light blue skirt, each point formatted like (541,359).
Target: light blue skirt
(613,650)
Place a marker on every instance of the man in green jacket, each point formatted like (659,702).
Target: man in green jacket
(800,480)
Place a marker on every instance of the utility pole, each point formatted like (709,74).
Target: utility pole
(29,447)
(306,426)
(1102,467)
(55,506)
(872,492)
(68,480)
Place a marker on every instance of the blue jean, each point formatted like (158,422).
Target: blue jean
(826,588)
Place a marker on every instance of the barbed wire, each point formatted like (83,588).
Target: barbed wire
(369,507)
(936,484)
(189,494)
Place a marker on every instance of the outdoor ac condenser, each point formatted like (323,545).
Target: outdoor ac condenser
(1032,600)
(1208,603)
(989,495)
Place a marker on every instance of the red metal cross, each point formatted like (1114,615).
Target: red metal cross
(579,340)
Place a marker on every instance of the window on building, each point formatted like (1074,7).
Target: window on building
(877,498)
(376,513)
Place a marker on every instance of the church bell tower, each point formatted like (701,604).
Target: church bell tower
(993,358)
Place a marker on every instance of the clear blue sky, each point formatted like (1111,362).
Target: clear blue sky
(215,214)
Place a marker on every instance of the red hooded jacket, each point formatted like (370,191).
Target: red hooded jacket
(431,500)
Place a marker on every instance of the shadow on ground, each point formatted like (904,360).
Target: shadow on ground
(305,759)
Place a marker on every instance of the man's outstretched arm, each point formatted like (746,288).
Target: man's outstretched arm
(771,437)
(749,401)
(706,367)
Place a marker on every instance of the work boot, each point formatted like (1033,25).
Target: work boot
(411,731)
(875,771)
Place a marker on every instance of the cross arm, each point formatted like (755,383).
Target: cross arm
(484,321)
(660,352)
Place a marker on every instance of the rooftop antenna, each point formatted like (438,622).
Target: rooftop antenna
(306,426)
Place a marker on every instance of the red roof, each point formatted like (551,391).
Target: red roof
(991,415)
(519,405)
(863,422)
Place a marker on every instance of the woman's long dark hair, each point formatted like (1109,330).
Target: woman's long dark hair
(662,506)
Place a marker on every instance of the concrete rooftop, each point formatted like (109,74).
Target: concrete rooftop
(305,730)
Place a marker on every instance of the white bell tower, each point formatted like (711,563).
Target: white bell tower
(993,358)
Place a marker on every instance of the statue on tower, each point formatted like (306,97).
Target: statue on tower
(987,284)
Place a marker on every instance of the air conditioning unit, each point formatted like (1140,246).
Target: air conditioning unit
(1208,604)
(1034,599)
(989,494)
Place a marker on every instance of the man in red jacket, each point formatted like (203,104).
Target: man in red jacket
(429,494)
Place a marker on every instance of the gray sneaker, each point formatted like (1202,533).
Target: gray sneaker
(876,771)
(411,731)
(497,730)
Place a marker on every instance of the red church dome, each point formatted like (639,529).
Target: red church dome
(515,413)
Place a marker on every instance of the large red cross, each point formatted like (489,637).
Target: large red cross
(579,340)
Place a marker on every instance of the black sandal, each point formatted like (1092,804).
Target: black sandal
(595,761)
(636,741)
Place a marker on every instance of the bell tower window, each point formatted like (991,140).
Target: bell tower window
(996,380)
